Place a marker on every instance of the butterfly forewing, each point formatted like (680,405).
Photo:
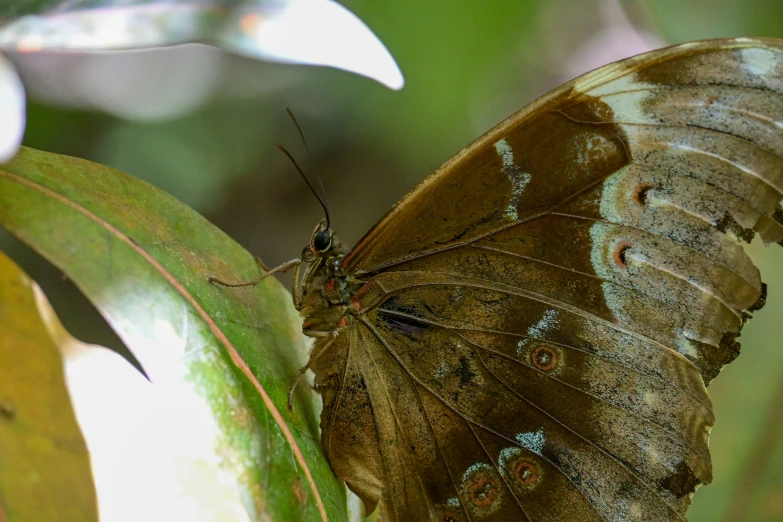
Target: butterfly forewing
(537,321)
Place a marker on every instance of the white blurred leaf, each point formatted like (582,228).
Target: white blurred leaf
(146,86)
(316,32)
(12,110)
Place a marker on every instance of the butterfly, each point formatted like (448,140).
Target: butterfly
(528,335)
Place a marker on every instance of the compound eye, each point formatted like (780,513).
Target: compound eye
(322,241)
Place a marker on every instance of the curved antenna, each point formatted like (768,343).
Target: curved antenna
(325,202)
(326,209)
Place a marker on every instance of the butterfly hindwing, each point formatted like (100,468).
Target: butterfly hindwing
(536,322)
(543,377)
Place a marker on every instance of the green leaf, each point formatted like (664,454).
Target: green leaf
(44,466)
(143,258)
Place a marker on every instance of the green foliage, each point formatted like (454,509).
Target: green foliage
(44,464)
(143,259)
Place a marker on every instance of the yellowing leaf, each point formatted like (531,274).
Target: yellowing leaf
(44,465)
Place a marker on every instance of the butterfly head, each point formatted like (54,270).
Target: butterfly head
(321,242)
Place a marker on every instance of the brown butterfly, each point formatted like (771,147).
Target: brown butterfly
(529,333)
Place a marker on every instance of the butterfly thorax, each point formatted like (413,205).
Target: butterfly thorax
(326,292)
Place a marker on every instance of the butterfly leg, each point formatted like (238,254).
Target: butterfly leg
(291,391)
(313,357)
(280,268)
(264,266)
(297,288)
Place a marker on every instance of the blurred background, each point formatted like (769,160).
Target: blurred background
(202,124)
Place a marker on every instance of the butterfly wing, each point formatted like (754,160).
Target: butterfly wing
(540,317)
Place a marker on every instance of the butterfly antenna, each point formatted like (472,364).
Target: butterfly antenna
(326,209)
(325,202)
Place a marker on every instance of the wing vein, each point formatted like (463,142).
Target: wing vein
(645,420)
(465,418)
(497,469)
(522,336)
(619,285)
(588,441)
(397,423)
(437,447)
(690,248)
(528,219)
(328,443)
(546,300)
(751,114)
